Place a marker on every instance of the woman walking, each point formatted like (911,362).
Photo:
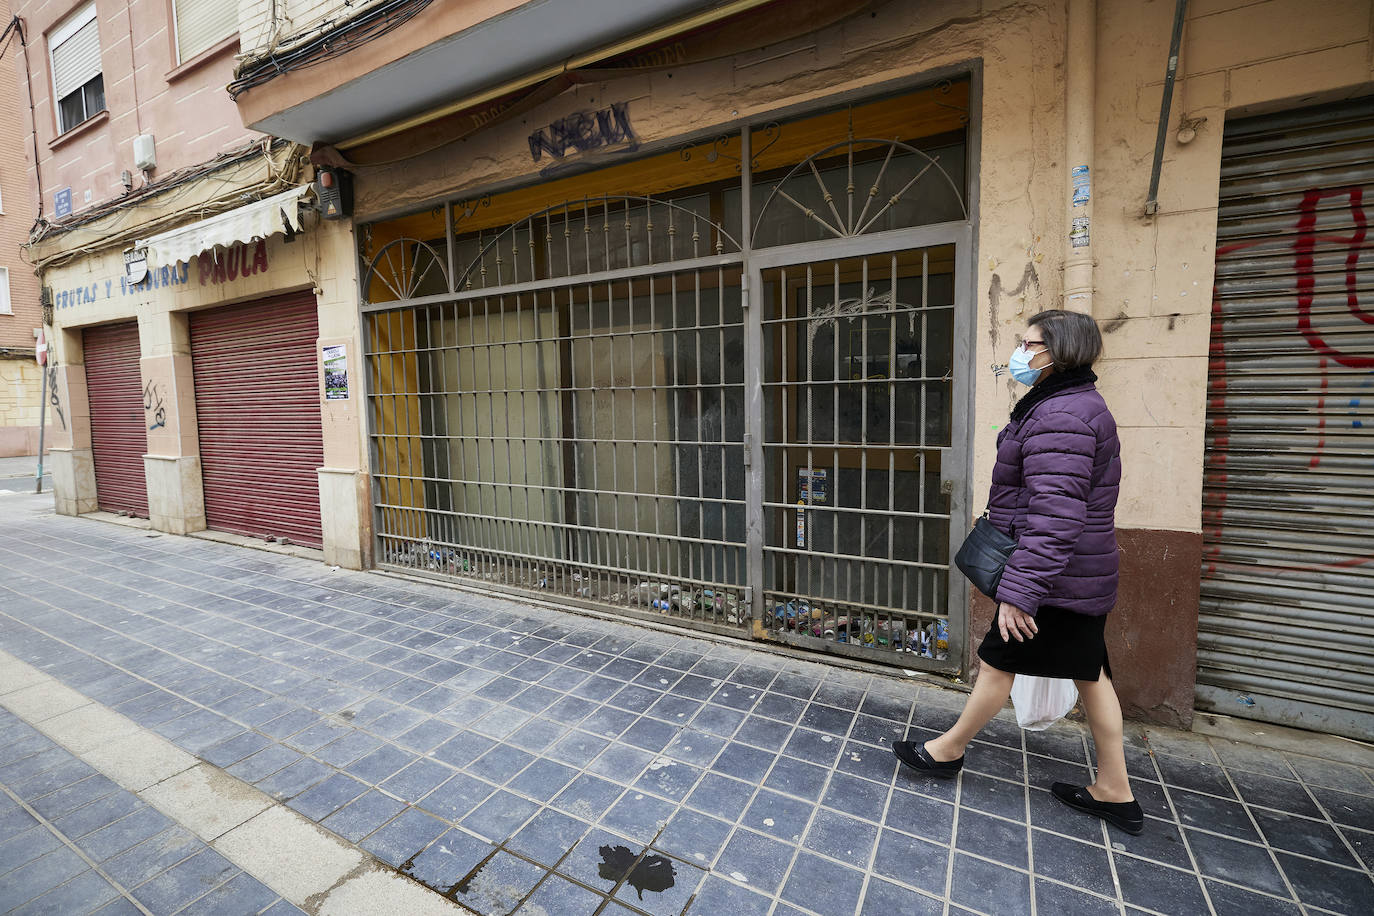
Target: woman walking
(1054,489)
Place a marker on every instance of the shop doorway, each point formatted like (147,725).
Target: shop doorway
(618,399)
(862,460)
(119,437)
(258,417)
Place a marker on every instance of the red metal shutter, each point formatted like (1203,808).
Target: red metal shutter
(258,412)
(119,438)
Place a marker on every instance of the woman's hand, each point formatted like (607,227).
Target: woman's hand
(1014,621)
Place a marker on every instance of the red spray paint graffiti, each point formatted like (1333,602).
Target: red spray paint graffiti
(1304,262)
(1305,245)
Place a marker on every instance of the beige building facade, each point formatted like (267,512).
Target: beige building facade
(676,325)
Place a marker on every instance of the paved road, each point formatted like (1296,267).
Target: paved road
(25,484)
(514,758)
(16,474)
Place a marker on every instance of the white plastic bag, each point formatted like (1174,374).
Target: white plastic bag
(1042,701)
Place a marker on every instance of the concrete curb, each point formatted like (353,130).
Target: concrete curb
(292,855)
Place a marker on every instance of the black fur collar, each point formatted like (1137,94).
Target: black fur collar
(1051,386)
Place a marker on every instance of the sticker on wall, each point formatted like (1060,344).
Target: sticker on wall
(1078,235)
(811,486)
(1082,191)
(801,523)
(335,373)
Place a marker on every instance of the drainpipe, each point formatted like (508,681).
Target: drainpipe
(1080,98)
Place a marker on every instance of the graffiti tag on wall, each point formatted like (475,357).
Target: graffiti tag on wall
(1304,247)
(153,405)
(55,399)
(582,131)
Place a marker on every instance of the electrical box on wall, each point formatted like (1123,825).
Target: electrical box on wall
(334,189)
(145,153)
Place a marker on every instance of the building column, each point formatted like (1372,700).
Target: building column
(69,416)
(345,486)
(176,498)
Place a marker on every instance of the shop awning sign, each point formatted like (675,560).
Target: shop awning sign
(136,264)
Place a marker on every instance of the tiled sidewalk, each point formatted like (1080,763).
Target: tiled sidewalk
(72,843)
(518,759)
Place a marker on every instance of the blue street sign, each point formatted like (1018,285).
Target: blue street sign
(62,202)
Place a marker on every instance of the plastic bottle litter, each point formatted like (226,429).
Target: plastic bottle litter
(931,641)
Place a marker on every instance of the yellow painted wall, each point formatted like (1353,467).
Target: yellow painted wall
(20,390)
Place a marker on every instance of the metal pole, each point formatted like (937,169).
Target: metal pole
(1152,201)
(42,426)
(1079,141)
(754,455)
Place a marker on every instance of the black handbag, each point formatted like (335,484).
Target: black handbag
(984,555)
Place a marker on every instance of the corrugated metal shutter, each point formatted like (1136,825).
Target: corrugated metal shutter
(76,57)
(119,438)
(202,24)
(1286,625)
(258,412)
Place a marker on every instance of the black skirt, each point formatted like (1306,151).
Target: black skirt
(1066,645)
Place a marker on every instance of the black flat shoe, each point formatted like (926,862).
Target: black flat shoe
(1126,816)
(914,755)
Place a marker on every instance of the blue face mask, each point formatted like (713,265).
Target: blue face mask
(1019,366)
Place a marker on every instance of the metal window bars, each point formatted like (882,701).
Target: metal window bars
(858,427)
(574,434)
(860,186)
(559,406)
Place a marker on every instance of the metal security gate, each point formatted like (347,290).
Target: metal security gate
(581,439)
(119,438)
(599,402)
(1286,625)
(258,415)
(862,446)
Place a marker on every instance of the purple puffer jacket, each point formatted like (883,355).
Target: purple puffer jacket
(1054,489)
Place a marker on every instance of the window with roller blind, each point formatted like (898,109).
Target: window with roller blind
(78,84)
(202,24)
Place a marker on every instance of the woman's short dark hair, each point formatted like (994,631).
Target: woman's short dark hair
(1071,337)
